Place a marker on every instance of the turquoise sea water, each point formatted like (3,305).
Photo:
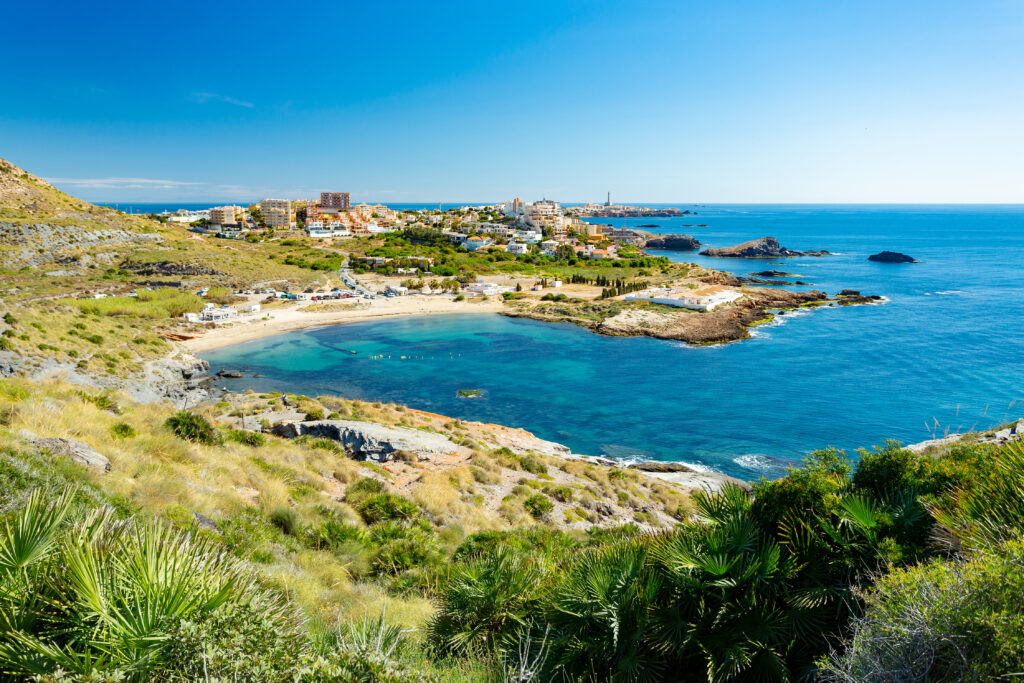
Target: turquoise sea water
(946,351)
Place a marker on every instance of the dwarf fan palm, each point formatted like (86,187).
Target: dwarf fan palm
(105,590)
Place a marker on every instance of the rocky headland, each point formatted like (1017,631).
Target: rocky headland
(764,247)
(727,323)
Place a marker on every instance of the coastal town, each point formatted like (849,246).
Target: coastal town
(538,259)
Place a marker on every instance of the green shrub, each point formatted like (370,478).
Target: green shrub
(387,506)
(562,494)
(538,505)
(286,519)
(243,436)
(192,427)
(361,489)
(122,430)
(532,465)
(238,642)
(941,621)
(314,414)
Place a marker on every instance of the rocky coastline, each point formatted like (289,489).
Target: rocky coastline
(720,325)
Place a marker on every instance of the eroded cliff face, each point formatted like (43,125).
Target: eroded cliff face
(179,379)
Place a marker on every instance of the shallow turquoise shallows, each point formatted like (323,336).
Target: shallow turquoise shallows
(946,351)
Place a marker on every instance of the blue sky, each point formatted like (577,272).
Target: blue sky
(844,101)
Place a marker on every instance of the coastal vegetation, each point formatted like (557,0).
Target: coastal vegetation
(256,556)
(143,542)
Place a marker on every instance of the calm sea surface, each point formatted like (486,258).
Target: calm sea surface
(946,352)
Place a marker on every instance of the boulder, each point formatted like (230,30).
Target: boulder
(229,374)
(849,292)
(79,452)
(891,257)
(765,247)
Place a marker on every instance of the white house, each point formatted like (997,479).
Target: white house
(486,288)
(211,313)
(518,248)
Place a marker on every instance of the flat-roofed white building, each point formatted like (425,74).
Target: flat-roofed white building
(702,299)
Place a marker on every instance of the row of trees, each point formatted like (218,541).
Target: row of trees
(623,287)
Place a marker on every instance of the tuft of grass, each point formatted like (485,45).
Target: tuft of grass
(122,430)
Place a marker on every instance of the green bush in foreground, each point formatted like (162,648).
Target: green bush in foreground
(192,427)
(942,621)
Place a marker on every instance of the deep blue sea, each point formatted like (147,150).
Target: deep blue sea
(945,353)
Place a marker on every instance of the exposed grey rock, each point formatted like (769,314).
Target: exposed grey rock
(169,268)
(204,522)
(81,453)
(41,243)
(371,441)
(229,374)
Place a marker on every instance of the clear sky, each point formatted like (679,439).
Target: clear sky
(817,101)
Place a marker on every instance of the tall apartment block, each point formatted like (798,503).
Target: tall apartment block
(335,200)
(277,213)
(224,215)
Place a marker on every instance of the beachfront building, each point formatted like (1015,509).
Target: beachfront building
(225,215)
(213,313)
(278,213)
(486,288)
(701,299)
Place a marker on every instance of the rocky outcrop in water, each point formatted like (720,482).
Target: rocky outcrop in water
(765,247)
(675,242)
(891,257)
(774,273)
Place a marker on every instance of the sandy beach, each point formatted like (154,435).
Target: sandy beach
(304,314)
